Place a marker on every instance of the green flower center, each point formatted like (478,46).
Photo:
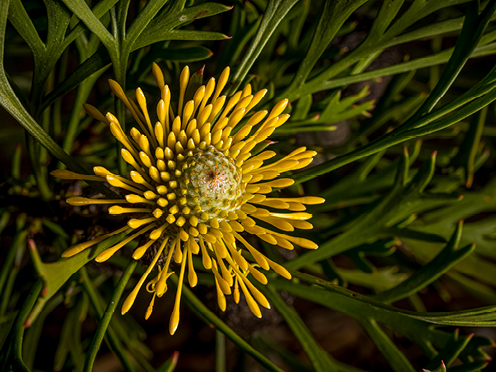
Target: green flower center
(213,182)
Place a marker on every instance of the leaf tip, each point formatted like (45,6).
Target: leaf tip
(175,357)
(31,244)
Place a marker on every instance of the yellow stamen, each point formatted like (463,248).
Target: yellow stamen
(75,249)
(129,301)
(106,254)
(158,75)
(259,257)
(78,200)
(224,76)
(64,174)
(174,320)
(95,113)
(183,84)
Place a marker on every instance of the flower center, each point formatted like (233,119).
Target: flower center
(213,183)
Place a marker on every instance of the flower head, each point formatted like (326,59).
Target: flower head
(195,187)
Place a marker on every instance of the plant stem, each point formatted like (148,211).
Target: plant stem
(41,181)
(113,341)
(204,313)
(220,352)
(11,359)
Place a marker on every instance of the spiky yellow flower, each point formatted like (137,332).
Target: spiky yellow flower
(197,188)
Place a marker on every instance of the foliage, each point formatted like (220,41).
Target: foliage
(407,224)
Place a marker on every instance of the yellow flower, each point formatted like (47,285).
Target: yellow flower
(197,187)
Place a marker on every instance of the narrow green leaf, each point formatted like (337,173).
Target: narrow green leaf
(23,24)
(451,350)
(441,368)
(319,358)
(198,306)
(101,8)
(394,356)
(107,316)
(98,62)
(11,358)
(84,13)
(415,64)
(470,145)
(473,28)
(486,89)
(170,364)
(445,260)
(184,55)
(333,15)
(162,27)
(274,13)
(143,19)
(112,340)
(55,274)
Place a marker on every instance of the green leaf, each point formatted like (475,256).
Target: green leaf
(162,27)
(485,89)
(113,340)
(359,306)
(86,15)
(184,55)
(274,13)
(10,102)
(381,218)
(441,368)
(319,358)
(143,20)
(333,15)
(394,356)
(170,363)
(194,35)
(94,65)
(450,351)
(470,145)
(472,31)
(107,316)
(445,260)
(11,358)
(204,313)
(416,12)
(23,24)
(55,274)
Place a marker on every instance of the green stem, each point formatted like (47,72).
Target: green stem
(204,313)
(83,92)
(112,339)
(19,238)
(119,57)
(41,181)
(19,326)
(220,352)
(274,13)
(57,106)
(11,359)
(107,316)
